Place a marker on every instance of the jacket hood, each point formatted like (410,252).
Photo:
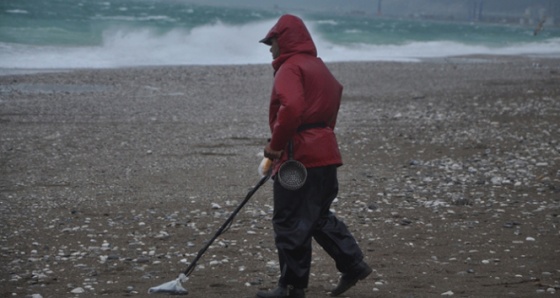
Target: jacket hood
(293,38)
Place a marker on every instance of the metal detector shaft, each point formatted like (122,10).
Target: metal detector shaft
(224,226)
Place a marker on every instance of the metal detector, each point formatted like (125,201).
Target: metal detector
(175,287)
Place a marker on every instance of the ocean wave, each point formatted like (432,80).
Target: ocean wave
(17,11)
(135,18)
(416,51)
(220,43)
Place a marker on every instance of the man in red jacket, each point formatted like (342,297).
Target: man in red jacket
(303,110)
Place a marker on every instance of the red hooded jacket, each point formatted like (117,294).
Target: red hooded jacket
(305,93)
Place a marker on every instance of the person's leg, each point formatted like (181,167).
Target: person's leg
(330,232)
(292,228)
(335,238)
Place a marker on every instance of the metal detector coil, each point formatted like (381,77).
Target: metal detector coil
(292,173)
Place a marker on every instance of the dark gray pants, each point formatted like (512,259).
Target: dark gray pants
(302,214)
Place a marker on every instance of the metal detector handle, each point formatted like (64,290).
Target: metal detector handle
(224,226)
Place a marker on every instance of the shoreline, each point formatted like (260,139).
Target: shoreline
(471,58)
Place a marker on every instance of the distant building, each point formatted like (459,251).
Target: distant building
(524,12)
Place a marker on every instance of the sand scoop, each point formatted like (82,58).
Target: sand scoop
(175,287)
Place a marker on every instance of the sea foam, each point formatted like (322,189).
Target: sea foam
(219,43)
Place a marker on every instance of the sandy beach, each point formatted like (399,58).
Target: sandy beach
(111,180)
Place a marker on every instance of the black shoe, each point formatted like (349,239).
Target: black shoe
(349,279)
(280,292)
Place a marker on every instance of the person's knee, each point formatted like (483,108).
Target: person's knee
(293,236)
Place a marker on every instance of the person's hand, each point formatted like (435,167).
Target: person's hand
(265,167)
(272,154)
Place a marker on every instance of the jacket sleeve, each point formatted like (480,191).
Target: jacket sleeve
(288,90)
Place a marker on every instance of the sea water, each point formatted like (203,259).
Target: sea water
(116,33)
